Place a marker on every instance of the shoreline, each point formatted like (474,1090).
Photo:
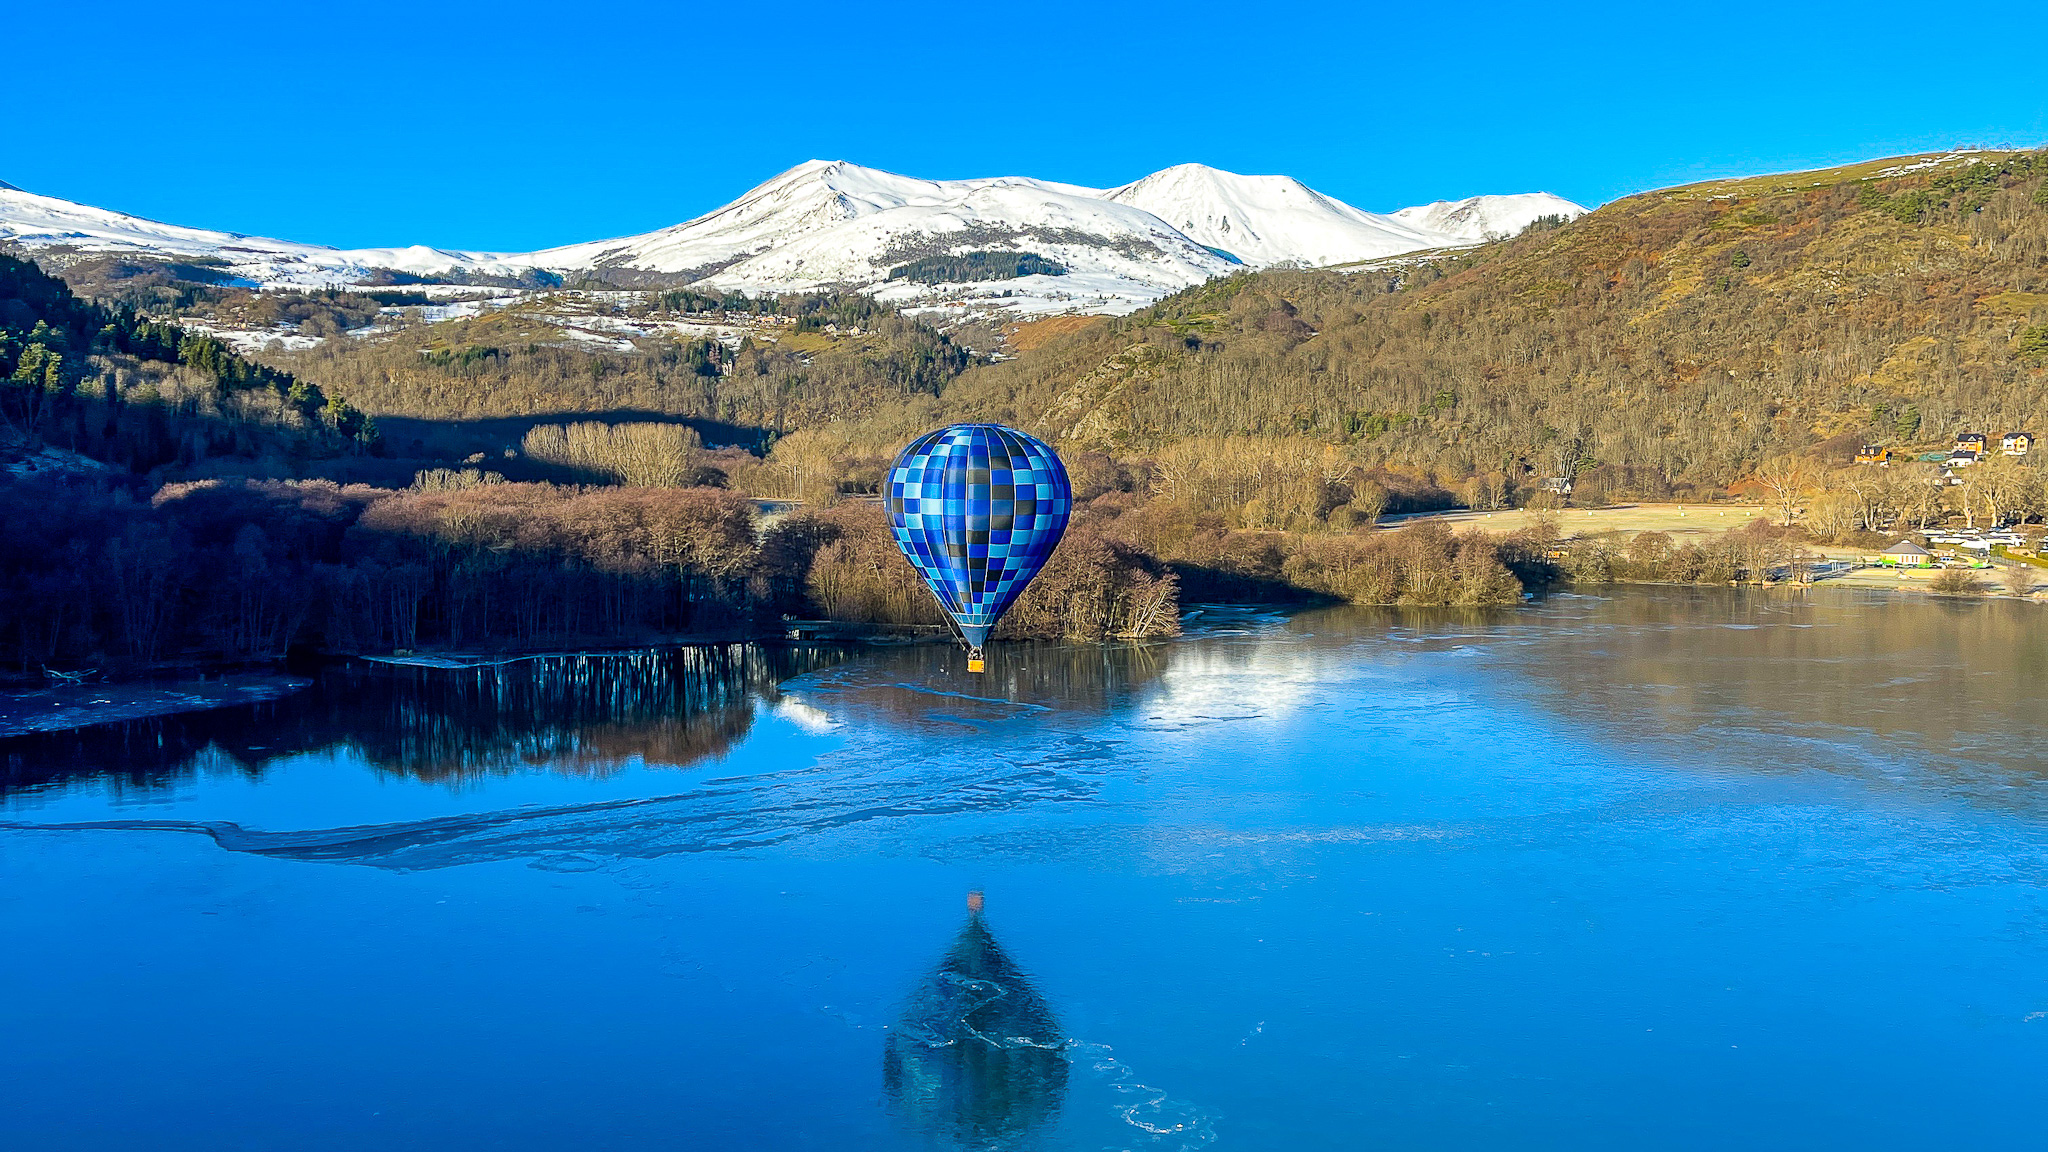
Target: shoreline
(67,707)
(1683,522)
(1842,583)
(62,708)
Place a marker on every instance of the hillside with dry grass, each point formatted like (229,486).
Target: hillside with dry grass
(1665,344)
(761,370)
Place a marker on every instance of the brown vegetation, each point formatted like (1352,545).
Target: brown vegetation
(642,455)
(516,363)
(1670,344)
(1756,553)
(1955,582)
(1030,335)
(239,570)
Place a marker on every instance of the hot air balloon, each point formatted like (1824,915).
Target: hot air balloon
(978,509)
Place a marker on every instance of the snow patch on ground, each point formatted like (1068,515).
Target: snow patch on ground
(599,340)
(248,341)
(1965,155)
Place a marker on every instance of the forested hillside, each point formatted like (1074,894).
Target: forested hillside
(138,393)
(1663,345)
(804,360)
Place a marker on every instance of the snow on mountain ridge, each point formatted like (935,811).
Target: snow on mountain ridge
(1265,220)
(41,222)
(830,223)
(833,224)
(1478,218)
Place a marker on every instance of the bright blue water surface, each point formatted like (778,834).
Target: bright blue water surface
(1664,869)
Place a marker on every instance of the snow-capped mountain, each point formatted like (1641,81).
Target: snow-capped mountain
(1478,218)
(833,223)
(40,223)
(830,224)
(1266,220)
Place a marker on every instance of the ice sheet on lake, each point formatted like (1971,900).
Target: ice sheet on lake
(720,815)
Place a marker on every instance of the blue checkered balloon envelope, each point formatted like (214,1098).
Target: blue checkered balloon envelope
(978,508)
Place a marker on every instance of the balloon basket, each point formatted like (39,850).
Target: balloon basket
(974,662)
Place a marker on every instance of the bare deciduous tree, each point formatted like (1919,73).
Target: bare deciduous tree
(641,455)
(1831,515)
(1786,478)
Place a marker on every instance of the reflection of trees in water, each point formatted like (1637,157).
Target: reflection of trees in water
(1764,678)
(580,714)
(1950,680)
(916,685)
(583,713)
(978,1058)
(1830,675)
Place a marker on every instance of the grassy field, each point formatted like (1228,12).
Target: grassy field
(1679,520)
(1795,181)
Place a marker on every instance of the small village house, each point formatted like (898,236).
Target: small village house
(1972,442)
(1874,454)
(1905,554)
(2016,443)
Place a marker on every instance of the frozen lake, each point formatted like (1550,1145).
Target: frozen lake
(1669,868)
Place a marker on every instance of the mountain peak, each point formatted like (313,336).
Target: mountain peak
(800,173)
(1265,220)
(1192,175)
(1483,217)
(1193,168)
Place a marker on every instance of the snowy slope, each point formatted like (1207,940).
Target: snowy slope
(1265,220)
(44,222)
(1480,218)
(830,224)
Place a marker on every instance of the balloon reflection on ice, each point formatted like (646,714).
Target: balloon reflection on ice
(978,1058)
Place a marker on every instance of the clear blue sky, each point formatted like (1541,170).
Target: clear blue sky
(516,125)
